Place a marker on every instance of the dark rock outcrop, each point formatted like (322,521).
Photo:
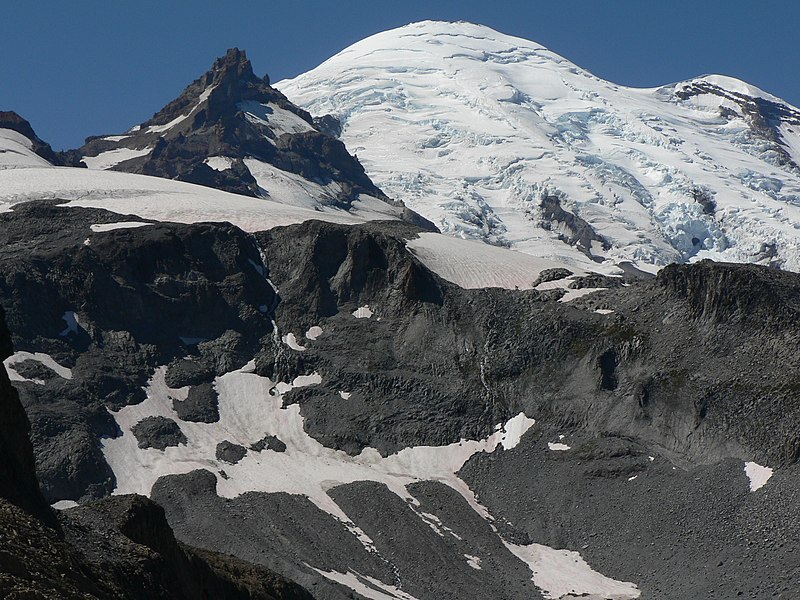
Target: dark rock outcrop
(158,433)
(228,112)
(18,482)
(201,405)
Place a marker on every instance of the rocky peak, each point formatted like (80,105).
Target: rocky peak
(231,115)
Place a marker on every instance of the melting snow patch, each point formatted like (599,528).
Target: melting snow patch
(473,561)
(313,332)
(102,227)
(64,504)
(367,587)
(219,163)
(513,430)
(345,395)
(291,341)
(559,573)
(557,446)
(604,311)
(111,158)
(757,474)
(363,313)
(45,359)
(632,477)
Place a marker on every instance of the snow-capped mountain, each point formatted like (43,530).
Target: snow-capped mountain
(496,137)
(231,130)
(299,374)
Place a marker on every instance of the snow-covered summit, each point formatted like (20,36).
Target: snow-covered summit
(498,138)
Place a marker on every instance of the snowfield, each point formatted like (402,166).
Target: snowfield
(251,407)
(167,200)
(471,128)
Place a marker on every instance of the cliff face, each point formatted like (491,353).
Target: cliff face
(18,482)
(120,547)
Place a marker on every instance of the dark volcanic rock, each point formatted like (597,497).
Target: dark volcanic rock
(230,452)
(18,482)
(227,112)
(158,432)
(121,547)
(571,228)
(551,275)
(137,294)
(200,406)
(182,372)
(270,442)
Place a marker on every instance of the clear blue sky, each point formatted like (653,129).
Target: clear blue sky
(86,67)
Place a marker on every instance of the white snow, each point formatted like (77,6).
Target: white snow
(632,477)
(219,163)
(251,406)
(279,120)
(561,573)
(45,359)
(368,587)
(473,561)
(757,474)
(604,311)
(111,158)
(558,446)
(64,504)
(103,227)
(345,395)
(363,312)
(16,152)
(167,200)
(472,264)
(313,332)
(471,128)
(290,340)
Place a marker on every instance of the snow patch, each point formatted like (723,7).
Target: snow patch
(560,573)
(103,227)
(219,163)
(344,395)
(757,474)
(64,504)
(368,587)
(290,340)
(473,561)
(313,332)
(558,446)
(111,158)
(363,313)
(45,359)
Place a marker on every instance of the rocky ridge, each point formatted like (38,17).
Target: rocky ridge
(231,130)
(691,367)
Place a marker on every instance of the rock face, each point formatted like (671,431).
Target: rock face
(120,547)
(694,368)
(135,301)
(18,482)
(230,130)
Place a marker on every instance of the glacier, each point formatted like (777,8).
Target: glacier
(473,129)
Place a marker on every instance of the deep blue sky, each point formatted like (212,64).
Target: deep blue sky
(86,67)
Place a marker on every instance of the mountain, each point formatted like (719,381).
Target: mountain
(231,130)
(114,548)
(339,396)
(497,138)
